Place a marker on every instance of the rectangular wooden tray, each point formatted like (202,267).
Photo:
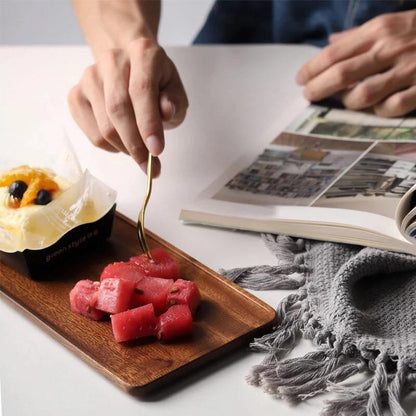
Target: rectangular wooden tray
(228,317)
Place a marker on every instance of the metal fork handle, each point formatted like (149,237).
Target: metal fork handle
(140,223)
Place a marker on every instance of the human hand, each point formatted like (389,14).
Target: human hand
(373,64)
(125,100)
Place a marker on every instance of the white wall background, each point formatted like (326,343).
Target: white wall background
(24,22)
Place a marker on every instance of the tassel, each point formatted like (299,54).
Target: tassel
(300,378)
(290,252)
(312,326)
(396,388)
(310,361)
(281,341)
(351,401)
(372,396)
(267,277)
(288,327)
(283,247)
(289,305)
(309,384)
(254,377)
(278,343)
(378,388)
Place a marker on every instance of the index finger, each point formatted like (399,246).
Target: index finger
(120,109)
(336,36)
(144,89)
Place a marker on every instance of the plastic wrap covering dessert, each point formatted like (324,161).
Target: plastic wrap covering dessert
(37,207)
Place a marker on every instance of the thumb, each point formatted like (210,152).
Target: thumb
(173,104)
(167,107)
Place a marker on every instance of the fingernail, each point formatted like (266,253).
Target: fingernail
(153,144)
(299,78)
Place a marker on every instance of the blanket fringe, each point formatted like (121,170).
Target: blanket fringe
(383,390)
(395,389)
(297,379)
(351,401)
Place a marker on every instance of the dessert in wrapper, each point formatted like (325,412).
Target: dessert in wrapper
(45,217)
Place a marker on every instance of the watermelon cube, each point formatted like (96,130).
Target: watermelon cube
(162,266)
(122,270)
(115,295)
(83,299)
(135,323)
(184,292)
(152,290)
(175,323)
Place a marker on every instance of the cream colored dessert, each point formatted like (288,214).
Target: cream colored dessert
(13,214)
(29,222)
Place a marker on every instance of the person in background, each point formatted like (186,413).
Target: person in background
(125,100)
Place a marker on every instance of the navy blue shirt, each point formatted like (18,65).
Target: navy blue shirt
(290,21)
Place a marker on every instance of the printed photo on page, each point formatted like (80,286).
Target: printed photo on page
(376,182)
(294,170)
(353,125)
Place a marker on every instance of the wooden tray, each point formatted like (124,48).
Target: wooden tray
(228,316)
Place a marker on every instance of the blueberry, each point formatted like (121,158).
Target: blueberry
(17,189)
(43,197)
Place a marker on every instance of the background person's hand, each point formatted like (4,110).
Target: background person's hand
(374,64)
(125,100)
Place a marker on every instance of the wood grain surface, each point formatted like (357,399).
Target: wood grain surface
(228,317)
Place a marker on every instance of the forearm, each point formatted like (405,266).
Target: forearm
(111,24)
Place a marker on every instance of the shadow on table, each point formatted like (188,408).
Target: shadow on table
(180,384)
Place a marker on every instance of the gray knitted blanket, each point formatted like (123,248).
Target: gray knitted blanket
(358,305)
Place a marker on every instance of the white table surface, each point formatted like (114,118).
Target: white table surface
(237,94)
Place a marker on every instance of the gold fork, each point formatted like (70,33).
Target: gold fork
(140,222)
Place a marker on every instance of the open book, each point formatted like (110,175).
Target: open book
(332,174)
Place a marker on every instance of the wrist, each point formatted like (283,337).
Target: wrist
(113,25)
(107,41)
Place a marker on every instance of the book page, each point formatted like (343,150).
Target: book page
(293,170)
(331,158)
(331,174)
(406,214)
(376,182)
